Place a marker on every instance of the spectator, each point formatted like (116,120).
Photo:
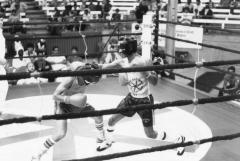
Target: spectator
(55,29)
(233,5)
(197,8)
(225,3)
(116,16)
(141,10)
(30,51)
(20,64)
(111,56)
(187,17)
(19,6)
(86,15)
(70,19)
(41,65)
(91,6)
(230,83)
(106,8)
(56,14)
(18,47)
(74,55)
(98,6)
(31,69)
(206,12)
(15,18)
(57,62)
(189,5)
(41,47)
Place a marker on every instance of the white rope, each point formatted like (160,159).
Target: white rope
(195,80)
(41,94)
(84,41)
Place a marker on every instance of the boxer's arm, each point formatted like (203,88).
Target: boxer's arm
(151,76)
(114,64)
(3,61)
(57,95)
(123,79)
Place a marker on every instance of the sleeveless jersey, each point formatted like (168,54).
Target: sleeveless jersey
(138,84)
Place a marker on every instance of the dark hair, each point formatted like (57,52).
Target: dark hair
(74,48)
(30,45)
(54,47)
(232,68)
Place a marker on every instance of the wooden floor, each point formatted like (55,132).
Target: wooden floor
(222,118)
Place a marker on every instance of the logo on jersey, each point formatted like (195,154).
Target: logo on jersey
(136,85)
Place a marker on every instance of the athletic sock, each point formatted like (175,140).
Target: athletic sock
(46,146)
(100,132)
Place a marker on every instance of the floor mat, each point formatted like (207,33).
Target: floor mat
(208,80)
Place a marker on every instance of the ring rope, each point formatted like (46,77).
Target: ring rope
(68,23)
(202,44)
(85,114)
(199,82)
(209,67)
(37,37)
(80,54)
(160,148)
(51,74)
(195,25)
(195,80)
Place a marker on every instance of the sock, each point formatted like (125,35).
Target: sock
(99,127)
(46,146)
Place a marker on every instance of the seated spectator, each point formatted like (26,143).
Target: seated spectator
(187,17)
(86,15)
(41,47)
(55,29)
(98,7)
(19,6)
(57,62)
(20,64)
(15,18)
(31,69)
(206,12)
(106,8)
(111,56)
(233,5)
(197,8)
(30,51)
(141,10)
(189,5)
(116,16)
(74,55)
(230,83)
(41,65)
(91,6)
(56,14)
(70,19)
(18,46)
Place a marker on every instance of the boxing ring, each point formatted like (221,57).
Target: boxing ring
(80,140)
(28,116)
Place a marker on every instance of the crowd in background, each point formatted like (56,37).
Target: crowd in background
(74,13)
